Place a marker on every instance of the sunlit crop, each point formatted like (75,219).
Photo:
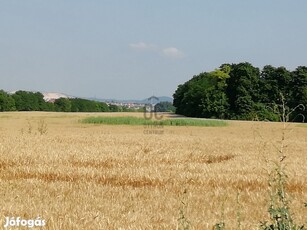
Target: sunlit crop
(83,176)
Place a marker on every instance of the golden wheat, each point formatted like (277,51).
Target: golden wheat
(81,176)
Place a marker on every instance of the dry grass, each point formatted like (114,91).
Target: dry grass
(80,176)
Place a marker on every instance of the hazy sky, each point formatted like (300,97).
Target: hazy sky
(128,49)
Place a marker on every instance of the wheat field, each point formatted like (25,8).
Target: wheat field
(85,176)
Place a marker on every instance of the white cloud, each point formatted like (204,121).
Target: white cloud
(172,52)
(142,46)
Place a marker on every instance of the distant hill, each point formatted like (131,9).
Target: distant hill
(142,101)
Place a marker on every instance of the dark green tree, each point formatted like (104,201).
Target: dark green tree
(189,96)
(243,90)
(62,104)
(204,95)
(164,106)
(102,107)
(42,104)
(7,102)
(299,93)
(273,83)
(84,105)
(178,98)
(216,103)
(50,106)
(29,101)
(114,108)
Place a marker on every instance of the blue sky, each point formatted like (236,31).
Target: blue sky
(133,49)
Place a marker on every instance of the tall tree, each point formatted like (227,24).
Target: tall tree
(29,101)
(215,101)
(63,104)
(203,95)
(243,90)
(240,91)
(7,102)
(178,98)
(274,83)
(299,92)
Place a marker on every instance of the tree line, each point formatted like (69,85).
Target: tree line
(242,91)
(34,101)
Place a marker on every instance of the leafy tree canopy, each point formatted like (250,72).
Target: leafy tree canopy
(242,91)
(7,103)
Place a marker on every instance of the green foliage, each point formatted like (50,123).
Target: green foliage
(128,120)
(242,91)
(262,112)
(164,107)
(299,92)
(179,95)
(279,210)
(50,106)
(127,109)
(203,96)
(34,101)
(193,122)
(273,82)
(222,73)
(83,105)
(7,103)
(29,101)
(62,105)
(115,108)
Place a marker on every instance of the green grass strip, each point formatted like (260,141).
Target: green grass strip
(129,120)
